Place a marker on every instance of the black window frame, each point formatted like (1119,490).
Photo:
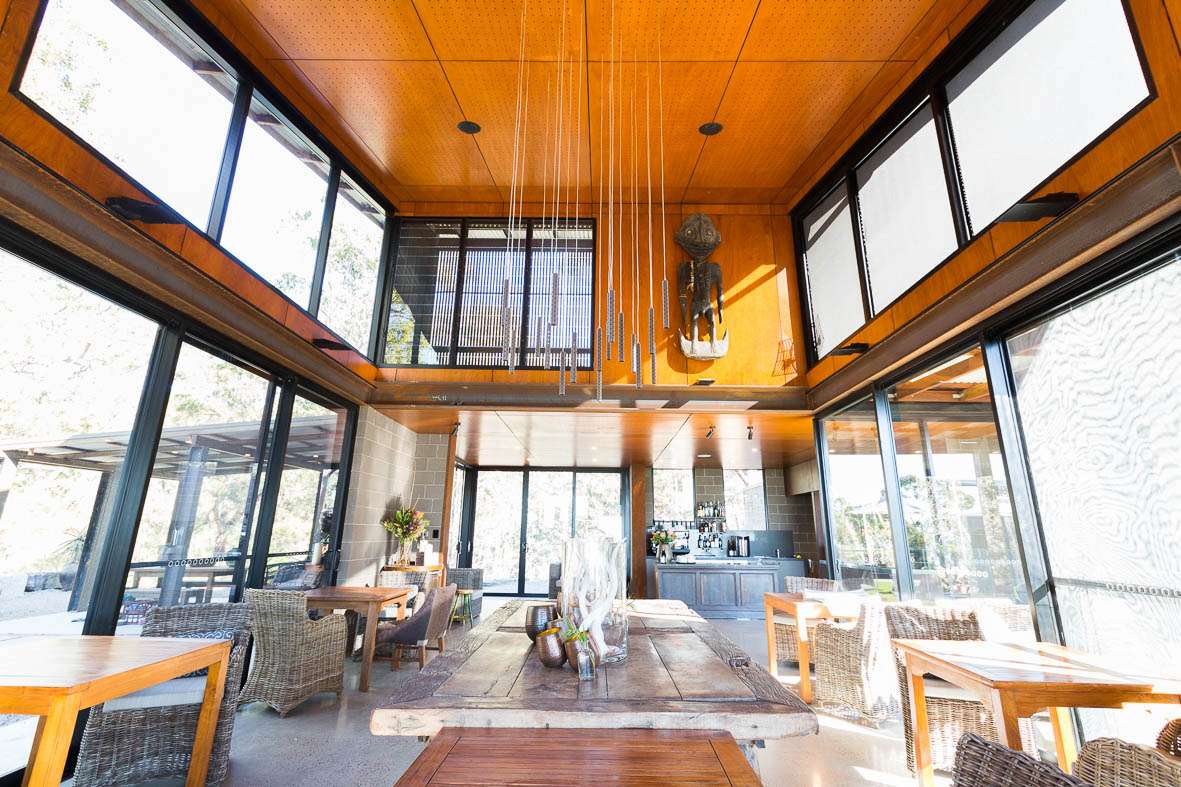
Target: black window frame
(930,88)
(530,224)
(251,83)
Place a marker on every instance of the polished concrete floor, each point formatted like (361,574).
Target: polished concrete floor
(326,742)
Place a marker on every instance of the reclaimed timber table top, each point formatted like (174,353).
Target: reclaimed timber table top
(349,594)
(680,673)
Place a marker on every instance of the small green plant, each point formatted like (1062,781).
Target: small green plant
(662,537)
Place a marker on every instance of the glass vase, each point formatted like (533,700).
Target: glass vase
(594,593)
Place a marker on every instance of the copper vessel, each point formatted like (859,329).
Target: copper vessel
(549,648)
(539,618)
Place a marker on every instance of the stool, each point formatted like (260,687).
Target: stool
(462,609)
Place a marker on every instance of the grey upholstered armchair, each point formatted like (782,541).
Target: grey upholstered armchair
(149,734)
(429,623)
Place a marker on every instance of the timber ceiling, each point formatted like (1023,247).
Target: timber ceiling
(396,76)
(589,439)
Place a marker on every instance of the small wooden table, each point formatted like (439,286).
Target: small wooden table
(1017,680)
(56,677)
(364,601)
(803,609)
(466,755)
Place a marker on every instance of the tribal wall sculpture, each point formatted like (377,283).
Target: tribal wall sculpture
(696,280)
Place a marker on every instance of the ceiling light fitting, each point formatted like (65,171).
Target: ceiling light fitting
(468,127)
(710,129)
(710,433)
(750,433)
(855,348)
(329,344)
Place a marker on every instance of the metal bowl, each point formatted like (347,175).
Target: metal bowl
(549,648)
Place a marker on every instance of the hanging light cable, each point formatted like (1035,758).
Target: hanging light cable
(663,229)
(648,166)
(505,316)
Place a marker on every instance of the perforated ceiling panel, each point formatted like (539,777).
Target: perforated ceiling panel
(398,75)
(352,29)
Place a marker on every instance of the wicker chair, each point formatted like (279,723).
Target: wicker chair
(981,763)
(948,717)
(294,657)
(428,623)
(1107,762)
(785,628)
(855,666)
(124,746)
(470,579)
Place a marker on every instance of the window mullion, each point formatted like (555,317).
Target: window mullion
(951,169)
(859,244)
(379,326)
(460,266)
(229,161)
(325,237)
(526,288)
(885,426)
(276,453)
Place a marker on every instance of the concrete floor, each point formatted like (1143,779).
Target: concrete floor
(326,742)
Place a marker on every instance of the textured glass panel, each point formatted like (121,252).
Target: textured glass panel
(1049,84)
(277,203)
(746,503)
(959,521)
(422,307)
(858,512)
(906,219)
(124,78)
(350,273)
(1098,391)
(830,267)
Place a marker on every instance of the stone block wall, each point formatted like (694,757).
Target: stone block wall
(392,466)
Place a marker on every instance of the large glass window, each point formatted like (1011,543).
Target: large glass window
(455,529)
(955,497)
(859,516)
(1049,84)
(195,526)
(437,257)
(1099,392)
(830,268)
(126,80)
(422,307)
(305,510)
(551,509)
(672,494)
(906,222)
(598,509)
(350,273)
(72,368)
(276,204)
(746,500)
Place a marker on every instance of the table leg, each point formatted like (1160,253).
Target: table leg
(370,644)
(920,730)
(772,651)
(215,683)
(805,657)
(51,744)
(1008,732)
(1065,744)
(400,615)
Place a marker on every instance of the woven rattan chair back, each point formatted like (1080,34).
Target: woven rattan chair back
(981,763)
(800,584)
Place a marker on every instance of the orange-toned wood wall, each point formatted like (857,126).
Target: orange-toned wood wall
(1158,24)
(760,294)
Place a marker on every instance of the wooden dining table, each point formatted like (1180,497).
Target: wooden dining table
(365,601)
(681,673)
(1017,680)
(56,677)
(802,609)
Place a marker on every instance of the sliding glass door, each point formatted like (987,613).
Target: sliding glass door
(521,518)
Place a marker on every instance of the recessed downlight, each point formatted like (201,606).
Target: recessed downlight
(705,456)
(709,129)
(468,127)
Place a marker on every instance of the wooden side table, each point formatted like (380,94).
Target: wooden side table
(364,601)
(56,677)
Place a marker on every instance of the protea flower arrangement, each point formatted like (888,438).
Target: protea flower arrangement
(407,525)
